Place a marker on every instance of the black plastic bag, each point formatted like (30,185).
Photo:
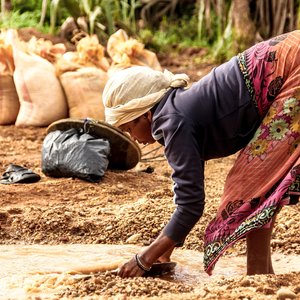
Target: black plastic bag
(77,154)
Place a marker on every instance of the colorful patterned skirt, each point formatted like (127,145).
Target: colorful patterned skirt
(266,174)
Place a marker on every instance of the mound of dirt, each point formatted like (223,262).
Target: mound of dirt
(65,210)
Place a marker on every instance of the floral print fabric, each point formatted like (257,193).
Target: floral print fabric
(266,174)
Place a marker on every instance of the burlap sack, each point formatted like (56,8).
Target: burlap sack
(91,53)
(83,77)
(83,89)
(126,52)
(9,101)
(46,49)
(42,100)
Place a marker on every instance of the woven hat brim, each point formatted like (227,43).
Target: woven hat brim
(124,154)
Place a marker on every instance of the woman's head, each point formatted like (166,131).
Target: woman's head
(132,92)
(140,128)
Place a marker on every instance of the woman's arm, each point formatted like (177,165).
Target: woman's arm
(183,155)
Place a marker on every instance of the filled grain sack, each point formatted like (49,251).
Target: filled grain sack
(83,77)
(46,49)
(9,101)
(92,53)
(42,100)
(83,88)
(126,52)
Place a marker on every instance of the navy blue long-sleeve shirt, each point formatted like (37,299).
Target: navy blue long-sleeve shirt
(214,118)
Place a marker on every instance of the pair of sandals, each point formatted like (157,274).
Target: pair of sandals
(18,174)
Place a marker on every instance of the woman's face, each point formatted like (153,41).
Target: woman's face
(140,129)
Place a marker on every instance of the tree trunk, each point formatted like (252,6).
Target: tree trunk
(6,5)
(279,16)
(242,24)
(274,17)
(44,11)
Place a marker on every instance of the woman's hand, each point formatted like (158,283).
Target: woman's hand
(130,269)
(159,251)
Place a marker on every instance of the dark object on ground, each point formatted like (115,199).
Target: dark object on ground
(158,269)
(76,154)
(18,174)
(294,199)
(124,152)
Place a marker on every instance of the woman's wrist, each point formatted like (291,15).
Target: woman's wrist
(159,247)
(141,264)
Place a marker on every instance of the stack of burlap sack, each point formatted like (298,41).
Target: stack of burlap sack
(41,82)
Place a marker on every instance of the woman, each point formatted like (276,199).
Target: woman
(249,104)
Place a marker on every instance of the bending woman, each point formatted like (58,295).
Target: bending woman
(249,104)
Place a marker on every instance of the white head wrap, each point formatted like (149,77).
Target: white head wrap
(131,92)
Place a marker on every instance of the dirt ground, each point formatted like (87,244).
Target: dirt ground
(69,211)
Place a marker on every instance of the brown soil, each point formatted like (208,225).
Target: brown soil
(65,210)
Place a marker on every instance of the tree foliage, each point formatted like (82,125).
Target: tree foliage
(223,24)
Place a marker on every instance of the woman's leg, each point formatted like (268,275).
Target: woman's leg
(259,251)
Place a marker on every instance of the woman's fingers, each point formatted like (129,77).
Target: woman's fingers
(130,269)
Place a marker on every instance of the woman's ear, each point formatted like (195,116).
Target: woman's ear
(148,115)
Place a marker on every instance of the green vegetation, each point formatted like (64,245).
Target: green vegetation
(17,19)
(161,25)
(181,33)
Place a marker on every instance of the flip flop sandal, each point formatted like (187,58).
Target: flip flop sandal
(158,269)
(18,174)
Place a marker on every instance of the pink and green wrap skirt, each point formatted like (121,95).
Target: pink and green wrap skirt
(266,174)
